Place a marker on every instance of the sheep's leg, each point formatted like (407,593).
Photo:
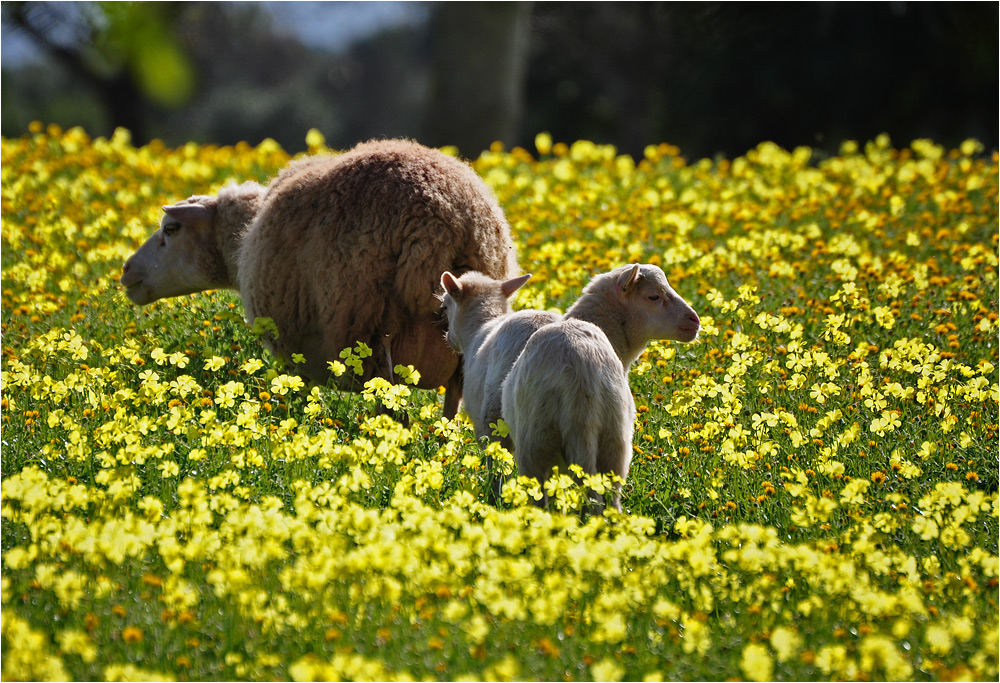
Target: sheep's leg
(422,344)
(387,345)
(399,416)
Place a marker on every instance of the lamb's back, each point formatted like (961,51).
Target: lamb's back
(567,374)
(491,362)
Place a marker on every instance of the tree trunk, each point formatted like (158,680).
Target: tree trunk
(479,56)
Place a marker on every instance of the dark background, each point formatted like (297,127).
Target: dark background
(712,78)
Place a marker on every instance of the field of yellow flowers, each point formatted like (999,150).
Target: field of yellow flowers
(813,494)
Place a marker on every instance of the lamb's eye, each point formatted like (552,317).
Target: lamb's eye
(171,228)
(653,297)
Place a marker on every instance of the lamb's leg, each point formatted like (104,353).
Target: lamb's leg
(536,456)
(453,393)
(496,478)
(583,448)
(616,456)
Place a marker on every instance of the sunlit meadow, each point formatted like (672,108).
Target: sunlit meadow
(813,493)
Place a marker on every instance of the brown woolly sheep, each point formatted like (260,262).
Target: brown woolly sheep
(338,249)
(567,399)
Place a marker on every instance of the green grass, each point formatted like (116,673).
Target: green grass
(813,493)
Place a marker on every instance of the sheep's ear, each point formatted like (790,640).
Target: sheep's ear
(511,286)
(451,284)
(190,214)
(628,279)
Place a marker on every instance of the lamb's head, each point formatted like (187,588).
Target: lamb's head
(471,301)
(194,247)
(654,309)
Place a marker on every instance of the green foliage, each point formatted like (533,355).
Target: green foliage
(140,36)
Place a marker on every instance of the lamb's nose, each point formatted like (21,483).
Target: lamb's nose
(693,317)
(126,267)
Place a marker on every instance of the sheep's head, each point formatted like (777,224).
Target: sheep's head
(656,311)
(195,247)
(472,300)
(177,258)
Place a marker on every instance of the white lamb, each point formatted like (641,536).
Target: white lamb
(567,398)
(338,249)
(490,337)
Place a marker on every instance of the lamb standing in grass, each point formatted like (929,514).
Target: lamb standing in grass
(338,249)
(490,337)
(567,399)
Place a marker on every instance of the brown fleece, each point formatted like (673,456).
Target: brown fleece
(352,247)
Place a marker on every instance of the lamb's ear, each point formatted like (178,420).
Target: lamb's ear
(511,286)
(628,279)
(451,285)
(191,214)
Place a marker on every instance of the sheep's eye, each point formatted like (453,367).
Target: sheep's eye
(171,228)
(653,297)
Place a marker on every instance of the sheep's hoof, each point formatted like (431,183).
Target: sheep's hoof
(400,416)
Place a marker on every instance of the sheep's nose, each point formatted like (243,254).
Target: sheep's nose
(126,267)
(693,317)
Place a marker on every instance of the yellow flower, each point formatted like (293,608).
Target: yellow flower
(696,637)
(282,384)
(607,669)
(756,663)
(832,660)
(251,366)
(854,492)
(169,468)
(938,639)
(786,643)
(31,659)
(476,629)
(130,672)
(315,140)
(879,654)
(543,143)
(78,643)
(214,363)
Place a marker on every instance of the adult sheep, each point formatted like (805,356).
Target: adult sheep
(336,250)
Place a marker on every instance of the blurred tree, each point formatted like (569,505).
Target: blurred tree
(139,37)
(720,77)
(124,52)
(478,62)
(710,77)
(602,70)
(389,74)
(255,82)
